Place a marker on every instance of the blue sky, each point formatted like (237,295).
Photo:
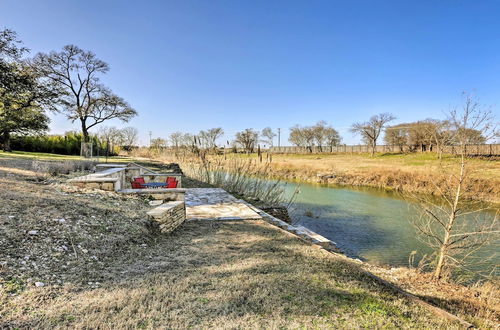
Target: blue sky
(192,65)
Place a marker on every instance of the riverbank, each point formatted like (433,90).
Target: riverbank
(93,259)
(230,274)
(413,173)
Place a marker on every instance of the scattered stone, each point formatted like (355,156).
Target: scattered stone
(39,284)
(279,212)
(33,232)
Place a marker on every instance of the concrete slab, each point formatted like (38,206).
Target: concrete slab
(216,204)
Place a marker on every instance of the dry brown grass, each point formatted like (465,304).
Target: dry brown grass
(418,173)
(205,275)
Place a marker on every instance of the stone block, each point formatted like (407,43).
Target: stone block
(169,215)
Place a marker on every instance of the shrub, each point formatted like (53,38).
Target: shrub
(67,144)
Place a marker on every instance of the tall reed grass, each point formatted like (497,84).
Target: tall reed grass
(248,179)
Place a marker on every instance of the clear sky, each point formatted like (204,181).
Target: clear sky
(191,65)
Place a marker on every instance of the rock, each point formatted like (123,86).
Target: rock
(39,284)
(33,232)
(11,216)
(62,220)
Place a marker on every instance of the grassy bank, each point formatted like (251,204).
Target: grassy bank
(416,173)
(105,264)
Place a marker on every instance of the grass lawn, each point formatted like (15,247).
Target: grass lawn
(104,265)
(55,157)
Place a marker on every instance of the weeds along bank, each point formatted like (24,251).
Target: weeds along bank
(414,173)
(249,180)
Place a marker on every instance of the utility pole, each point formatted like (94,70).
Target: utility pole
(279,137)
(150,134)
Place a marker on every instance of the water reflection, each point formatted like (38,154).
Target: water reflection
(366,223)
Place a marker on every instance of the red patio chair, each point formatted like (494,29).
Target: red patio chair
(140,180)
(136,185)
(172,184)
(171,179)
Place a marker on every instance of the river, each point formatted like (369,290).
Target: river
(366,223)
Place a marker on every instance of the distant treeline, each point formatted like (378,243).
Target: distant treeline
(67,144)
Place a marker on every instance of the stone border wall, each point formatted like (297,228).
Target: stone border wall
(301,232)
(169,215)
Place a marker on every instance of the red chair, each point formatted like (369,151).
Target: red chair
(140,180)
(136,185)
(172,184)
(170,179)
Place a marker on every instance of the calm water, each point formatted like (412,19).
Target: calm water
(369,224)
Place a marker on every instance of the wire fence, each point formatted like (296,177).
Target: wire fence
(476,149)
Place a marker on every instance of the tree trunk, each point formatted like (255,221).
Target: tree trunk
(6,142)
(443,251)
(442,254)
(374,145)
(85,131)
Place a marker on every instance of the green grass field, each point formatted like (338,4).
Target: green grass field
(47,156)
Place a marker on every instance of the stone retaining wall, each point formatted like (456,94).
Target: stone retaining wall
(279,212)
(104,185)
(169,215)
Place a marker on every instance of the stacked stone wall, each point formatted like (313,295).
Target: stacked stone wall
(169,215)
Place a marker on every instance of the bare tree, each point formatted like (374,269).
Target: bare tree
(318,133)
(268,136)
(455,229)
(302,136)
(297,137)
(130,136)
(440,133)
(158,144)
(208,138)
(112,136)
(247,139)
(397,135)
(74,73)
(176,139)
(332,137)
(370,130)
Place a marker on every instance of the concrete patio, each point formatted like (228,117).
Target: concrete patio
(216,204)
